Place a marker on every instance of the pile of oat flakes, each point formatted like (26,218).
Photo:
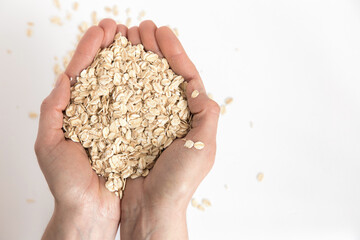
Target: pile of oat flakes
(125,109)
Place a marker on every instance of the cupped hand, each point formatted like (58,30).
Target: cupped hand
(83,206)
(154,207)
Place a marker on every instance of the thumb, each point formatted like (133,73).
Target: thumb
(51,117)
(205,114)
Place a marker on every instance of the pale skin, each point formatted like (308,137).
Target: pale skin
(151,208)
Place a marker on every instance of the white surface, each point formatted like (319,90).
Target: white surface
(295,76)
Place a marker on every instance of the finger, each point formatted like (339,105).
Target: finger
(134,35)
(147,31)
(51,116)
(123,29)
(85,51)
(204,124)
(206,111)
(173,51)
(109,27)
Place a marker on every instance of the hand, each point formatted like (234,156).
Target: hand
(154,207)
(84,208)
(151,207)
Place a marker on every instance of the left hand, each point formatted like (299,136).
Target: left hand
(84,208)
(155,207)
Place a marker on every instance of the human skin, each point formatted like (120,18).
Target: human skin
(151,208)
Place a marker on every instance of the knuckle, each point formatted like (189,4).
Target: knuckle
(44,146)
(44,105)
(210,161)
(212,154)
(213,107)
(37,147)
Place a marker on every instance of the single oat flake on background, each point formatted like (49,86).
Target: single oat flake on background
(125,109)
(33,115)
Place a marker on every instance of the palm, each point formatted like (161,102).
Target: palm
(176,174)
(79,181)
(72,181)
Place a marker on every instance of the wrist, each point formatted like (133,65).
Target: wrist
(74,223)
(153,222)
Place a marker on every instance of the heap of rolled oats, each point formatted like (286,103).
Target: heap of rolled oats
(125,109)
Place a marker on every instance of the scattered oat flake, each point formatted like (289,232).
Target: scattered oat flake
(83,27)
(226,186)
(68,16)
(228,100)
(194,203)
(251,124)
(56,20)
(29,32)
(75,6)
(30,23)
(94,18)
(128,22)
(195,93)
(107,9)
(67,58)
(205,202)
(199,145)
(57,4)
(200,207)
(8,51)
(141,15)
(115,10)
(189,144)
(30,200)
(57,69)
(127,11)
(210,96)
(260,176)
(33,115)
(222,109)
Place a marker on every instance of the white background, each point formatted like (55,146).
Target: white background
(292,68)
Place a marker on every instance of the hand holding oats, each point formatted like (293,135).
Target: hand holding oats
(126,122)
(154,207)
(84,208)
